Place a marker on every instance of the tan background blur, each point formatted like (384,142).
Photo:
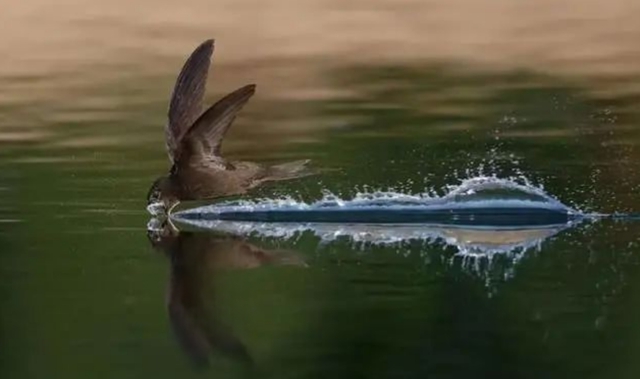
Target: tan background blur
(574,36)
(56,52)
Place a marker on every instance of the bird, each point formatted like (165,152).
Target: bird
(195,257)
(194,141)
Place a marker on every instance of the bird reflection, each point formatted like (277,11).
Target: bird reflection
(195,257)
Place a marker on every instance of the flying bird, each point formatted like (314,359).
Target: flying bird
(194,141)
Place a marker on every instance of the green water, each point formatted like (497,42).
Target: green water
(83,292)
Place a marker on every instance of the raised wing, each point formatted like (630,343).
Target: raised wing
(186,100)
(203,141)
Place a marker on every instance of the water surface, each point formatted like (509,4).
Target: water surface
(410,98)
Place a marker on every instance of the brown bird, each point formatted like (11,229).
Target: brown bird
(195,258)
(194,140)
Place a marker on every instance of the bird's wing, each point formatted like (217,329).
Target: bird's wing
(201,145)
(186,100)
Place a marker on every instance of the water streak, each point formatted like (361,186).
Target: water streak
(480,218)
(479,201)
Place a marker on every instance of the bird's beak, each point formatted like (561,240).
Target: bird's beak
(172,207)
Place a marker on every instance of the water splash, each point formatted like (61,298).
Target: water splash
(476,248)
(481,218)
(468,240)
(482,201)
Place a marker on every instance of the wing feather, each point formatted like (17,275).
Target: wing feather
(203,142)
(187,97)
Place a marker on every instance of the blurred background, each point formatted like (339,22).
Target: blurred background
(404,94)
(77,54)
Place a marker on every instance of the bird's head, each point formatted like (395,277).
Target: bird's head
(161,199)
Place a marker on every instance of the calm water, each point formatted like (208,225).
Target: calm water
(409,97)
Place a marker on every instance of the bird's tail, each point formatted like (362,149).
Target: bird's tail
(289,170)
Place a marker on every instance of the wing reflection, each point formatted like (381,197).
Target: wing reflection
(195,257)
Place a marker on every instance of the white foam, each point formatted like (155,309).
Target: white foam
(468,194)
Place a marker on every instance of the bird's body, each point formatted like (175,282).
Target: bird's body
(202,182)
(194,140)
(234,178)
